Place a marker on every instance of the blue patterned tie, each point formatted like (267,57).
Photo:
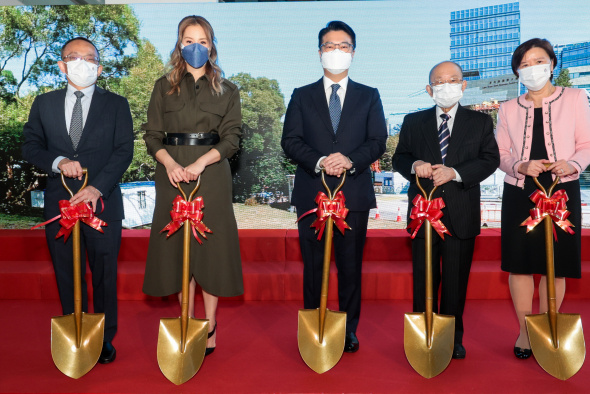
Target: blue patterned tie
(335,107)
(76,123)
(444,136)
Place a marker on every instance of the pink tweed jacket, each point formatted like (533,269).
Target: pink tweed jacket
(566,128)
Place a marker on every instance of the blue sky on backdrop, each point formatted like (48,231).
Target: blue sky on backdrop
(398,41)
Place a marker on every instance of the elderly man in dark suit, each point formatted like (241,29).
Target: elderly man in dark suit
(68,129)
(335,124)
(453,148)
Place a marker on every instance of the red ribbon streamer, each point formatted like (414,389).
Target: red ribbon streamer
(554,207)
(334,208)
(70,214)
(183,210)
(427,210)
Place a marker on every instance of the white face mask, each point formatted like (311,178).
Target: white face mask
(82,73)
(535,77)
(336,61)
(447,94)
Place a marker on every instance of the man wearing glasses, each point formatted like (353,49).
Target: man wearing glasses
(454,149)
(68,129)
(335,124)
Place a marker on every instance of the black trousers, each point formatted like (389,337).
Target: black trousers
(102,251)
(348,252)
(456,255)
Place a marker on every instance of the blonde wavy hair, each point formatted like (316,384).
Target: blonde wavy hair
(177,63)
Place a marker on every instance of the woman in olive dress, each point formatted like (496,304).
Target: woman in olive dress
(194,126)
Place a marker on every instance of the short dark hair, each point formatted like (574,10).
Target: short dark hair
(336,26)
(526,46)
(63,48)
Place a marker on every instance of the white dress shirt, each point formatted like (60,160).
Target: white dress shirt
(69,108)
(450,122)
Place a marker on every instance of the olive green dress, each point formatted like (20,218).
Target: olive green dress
(216,264)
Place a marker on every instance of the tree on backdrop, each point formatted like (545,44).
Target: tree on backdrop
(137,88)
(390,145)
(260,165)
(563,79)
(31,38)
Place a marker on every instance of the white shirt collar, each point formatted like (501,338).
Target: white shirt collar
(88,91)
(452,112)
(328,84)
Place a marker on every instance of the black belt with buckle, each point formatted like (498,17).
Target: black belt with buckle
(191,139)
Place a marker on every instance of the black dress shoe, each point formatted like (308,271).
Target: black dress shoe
(521,353)
(459,351)
(210,350)
(108,353)
(351,343)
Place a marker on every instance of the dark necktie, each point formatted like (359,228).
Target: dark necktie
(444,136)
(335,107)
(76,123)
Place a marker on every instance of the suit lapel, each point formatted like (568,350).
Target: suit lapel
(458,133)
(94,113)
(321,105)
(430,133)
(350,102)
(59,111)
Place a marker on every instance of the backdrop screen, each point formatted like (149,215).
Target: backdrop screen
(269,49)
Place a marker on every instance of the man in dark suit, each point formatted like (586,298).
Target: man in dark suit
(68,129)
(335,124)
(454,149)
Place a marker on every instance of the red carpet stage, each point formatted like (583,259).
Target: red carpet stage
(257,343)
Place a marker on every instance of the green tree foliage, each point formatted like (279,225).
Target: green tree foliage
(16,176)
(35,35)
(137,88)
(390,145)
(7,86)
(563,79)
(260,165)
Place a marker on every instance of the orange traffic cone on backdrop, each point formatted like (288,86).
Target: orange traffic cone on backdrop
(377,215)
(399,215)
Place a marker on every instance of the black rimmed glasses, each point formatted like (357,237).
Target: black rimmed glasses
(330,46)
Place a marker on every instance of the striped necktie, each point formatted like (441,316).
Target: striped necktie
(335,107)
(76,124)
(444,136)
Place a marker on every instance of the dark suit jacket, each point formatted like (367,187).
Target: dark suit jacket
(472,151)
(105,148)
(308,135)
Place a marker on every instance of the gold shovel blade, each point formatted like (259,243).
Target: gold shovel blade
(176,365)
(564,360)
(70,359)
(321,357)
(429,361)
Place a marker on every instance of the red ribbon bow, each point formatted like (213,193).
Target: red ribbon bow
(334,208)
(427,210)
(183,210)
(554,207)
(70,214)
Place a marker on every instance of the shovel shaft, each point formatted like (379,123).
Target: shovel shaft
(428,276)
(325,276)
(77,283)
(185,285)
(551,303)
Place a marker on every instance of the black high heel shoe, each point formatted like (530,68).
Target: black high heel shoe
(521,353)
(210,350)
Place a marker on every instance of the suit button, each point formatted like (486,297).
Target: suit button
(76,155)
(334,142)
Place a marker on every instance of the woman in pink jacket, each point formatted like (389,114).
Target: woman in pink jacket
(548,124)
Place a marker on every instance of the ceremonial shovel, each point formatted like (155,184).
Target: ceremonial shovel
(428,337)
(321,332)
(76,339)
(557,339)
(182,340)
